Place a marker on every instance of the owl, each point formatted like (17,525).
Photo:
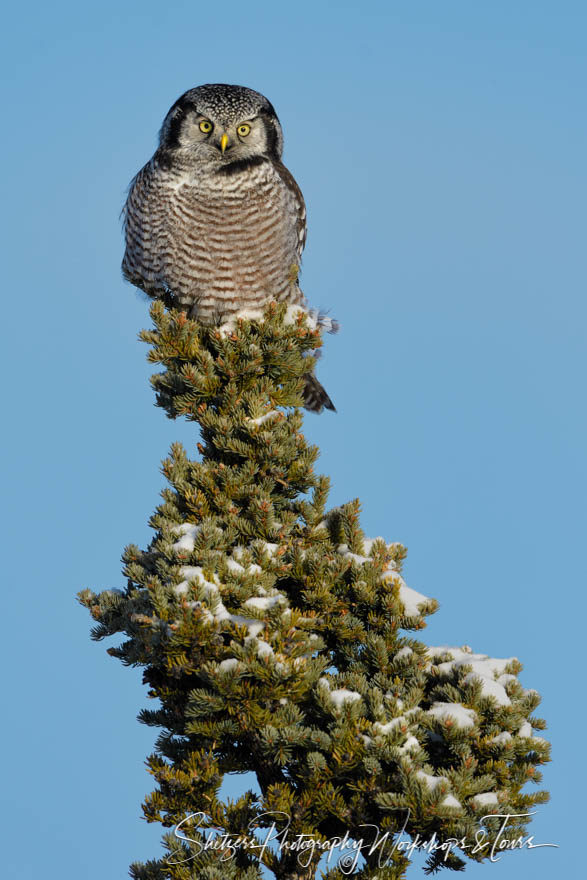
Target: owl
(214,223)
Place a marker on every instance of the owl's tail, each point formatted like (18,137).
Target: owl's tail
(315,396)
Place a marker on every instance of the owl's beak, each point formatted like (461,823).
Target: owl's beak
(223,142)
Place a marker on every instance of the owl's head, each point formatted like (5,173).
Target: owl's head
(222,124)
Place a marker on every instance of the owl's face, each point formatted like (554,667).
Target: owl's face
(221,125)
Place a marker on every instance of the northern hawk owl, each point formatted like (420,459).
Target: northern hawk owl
(215,224)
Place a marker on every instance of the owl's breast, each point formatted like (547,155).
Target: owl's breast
(220,243)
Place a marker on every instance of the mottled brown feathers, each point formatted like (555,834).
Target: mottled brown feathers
(216,244)
(214,222)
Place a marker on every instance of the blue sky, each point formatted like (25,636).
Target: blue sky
(441,151)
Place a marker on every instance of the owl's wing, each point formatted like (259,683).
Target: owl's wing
(136,192)
(301,226)
(145,232)
(133,220)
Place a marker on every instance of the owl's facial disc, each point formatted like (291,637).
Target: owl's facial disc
(221,140)
(197,121)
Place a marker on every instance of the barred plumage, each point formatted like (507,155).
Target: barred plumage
(214,222)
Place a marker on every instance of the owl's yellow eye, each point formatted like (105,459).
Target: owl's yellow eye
(205,126)
(243,130)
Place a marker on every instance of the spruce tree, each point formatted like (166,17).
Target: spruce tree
(279,640)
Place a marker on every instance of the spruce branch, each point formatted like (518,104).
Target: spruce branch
(279,641)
